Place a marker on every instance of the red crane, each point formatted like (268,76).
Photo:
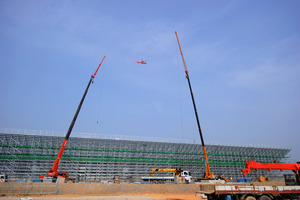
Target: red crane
(253,165)
(54,171)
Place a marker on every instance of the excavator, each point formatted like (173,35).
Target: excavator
(253,165)
(54,170)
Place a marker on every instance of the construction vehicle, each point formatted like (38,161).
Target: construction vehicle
(249,192)
(3,178)
(208,173)
(253,165)
(178,176)
(54,171)
(222,177)
(253,192)
(116,179)
(262,179)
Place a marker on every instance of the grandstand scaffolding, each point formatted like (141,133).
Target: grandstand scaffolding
(31,154)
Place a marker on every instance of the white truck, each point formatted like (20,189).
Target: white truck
(179,176)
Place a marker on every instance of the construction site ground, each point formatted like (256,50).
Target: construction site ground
(122,197)
(98,191)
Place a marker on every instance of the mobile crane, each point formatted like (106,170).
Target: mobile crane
(176,170)
(260,192)
(208,173)
(179,176)
(253,165)
(54,171)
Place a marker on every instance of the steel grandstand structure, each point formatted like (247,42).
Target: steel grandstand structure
(94,157)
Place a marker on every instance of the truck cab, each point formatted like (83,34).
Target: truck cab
(187,176)
(3,178)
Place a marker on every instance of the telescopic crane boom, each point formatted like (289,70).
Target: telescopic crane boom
(253,165)
(54,171)
(208,174)
(176,170)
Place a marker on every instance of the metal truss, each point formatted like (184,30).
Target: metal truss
(92,159)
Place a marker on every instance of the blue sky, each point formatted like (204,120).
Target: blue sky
(243,59)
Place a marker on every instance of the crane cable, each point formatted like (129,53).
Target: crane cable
(100,92)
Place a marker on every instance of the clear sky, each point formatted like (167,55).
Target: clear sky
(243,59)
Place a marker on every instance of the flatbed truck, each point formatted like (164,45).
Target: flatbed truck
(158,179)
(249,192)
(162,179)
(258,192)
(179,176)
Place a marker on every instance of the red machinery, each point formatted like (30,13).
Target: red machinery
(53,172)
(253,165)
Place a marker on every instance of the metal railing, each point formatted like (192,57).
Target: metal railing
(131,138)
(25,187)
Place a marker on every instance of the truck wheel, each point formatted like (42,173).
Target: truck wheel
(264,197)
(250,198)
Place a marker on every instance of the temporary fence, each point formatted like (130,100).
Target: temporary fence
(24,187)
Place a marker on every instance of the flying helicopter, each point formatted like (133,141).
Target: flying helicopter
(141,62)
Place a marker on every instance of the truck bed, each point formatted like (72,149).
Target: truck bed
(250,189)
(153,178)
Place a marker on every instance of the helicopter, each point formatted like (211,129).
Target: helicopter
(141,62)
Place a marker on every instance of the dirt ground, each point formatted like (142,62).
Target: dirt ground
(82,191)
(123,197)
(177,196)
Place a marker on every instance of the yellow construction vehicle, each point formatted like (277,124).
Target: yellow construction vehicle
(262,178)
(116,180)
(179,176)
(176,170)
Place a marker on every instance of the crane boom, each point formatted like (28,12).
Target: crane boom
(208,174)
(176,170)
(165,170)
(54,171)
(253,165)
